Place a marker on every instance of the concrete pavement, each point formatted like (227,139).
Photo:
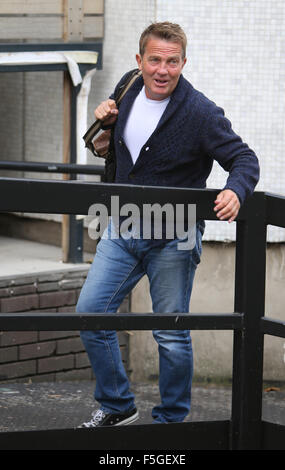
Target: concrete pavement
(59,405)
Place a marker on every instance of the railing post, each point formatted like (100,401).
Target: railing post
(246,430)
(72,234)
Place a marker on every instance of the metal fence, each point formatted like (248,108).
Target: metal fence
(245,429)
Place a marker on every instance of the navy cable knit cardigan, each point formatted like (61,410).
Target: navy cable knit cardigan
(192,132)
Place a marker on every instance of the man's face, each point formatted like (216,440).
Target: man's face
(161,66)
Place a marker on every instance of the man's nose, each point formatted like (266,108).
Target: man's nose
(162,69)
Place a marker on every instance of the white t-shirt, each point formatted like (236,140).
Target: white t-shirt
(142,121)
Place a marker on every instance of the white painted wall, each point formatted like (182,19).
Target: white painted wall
(235,56)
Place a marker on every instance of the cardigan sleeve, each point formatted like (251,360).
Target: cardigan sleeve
(220,142)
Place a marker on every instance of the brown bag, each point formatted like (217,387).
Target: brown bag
(102,143)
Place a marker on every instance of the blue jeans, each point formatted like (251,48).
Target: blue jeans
(117,267)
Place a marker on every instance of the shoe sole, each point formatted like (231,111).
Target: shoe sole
(129,420)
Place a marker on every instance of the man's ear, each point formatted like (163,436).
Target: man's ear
(139,61)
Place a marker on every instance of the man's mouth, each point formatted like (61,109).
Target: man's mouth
(160,82)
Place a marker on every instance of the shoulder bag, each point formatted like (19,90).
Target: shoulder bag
(103,146)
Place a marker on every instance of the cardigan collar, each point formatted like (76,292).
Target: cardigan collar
(177,97)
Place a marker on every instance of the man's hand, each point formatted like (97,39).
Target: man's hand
(107,112)
(227,205)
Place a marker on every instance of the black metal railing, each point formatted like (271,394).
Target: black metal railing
(245,429)
(52,167)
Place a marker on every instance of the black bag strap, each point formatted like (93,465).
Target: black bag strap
(97,125)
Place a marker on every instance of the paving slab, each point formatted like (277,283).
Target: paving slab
(20,257)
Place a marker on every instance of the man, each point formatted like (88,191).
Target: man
(166,134)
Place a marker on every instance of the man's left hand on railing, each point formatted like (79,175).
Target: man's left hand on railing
(227,205)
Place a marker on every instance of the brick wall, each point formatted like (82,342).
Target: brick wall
(45,355)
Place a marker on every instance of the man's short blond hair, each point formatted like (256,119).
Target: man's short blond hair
(168,31)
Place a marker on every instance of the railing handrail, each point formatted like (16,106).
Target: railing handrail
(248,322)
(77,196)
(52,167)
(269,206)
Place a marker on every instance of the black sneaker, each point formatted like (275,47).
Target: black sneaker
(100,418)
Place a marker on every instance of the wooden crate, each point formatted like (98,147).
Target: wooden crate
(51,20)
